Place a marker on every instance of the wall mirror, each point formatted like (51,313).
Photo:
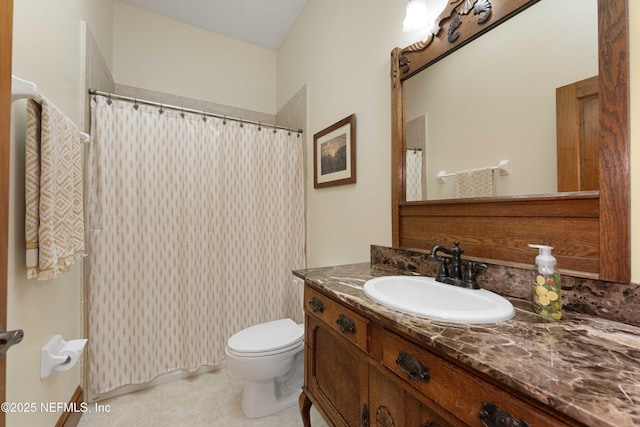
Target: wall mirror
(532,203)
(495,100)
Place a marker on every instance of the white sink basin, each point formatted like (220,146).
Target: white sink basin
(424,297)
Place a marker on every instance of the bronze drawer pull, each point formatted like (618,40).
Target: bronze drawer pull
(316,305)
(413,367)
(491,416)
(364,419)
(346,325)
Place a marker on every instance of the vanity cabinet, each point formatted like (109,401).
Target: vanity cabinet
(359,372)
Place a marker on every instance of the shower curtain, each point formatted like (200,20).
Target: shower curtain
(195,225)
(414,174)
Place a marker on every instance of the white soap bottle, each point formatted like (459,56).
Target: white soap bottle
(546,292)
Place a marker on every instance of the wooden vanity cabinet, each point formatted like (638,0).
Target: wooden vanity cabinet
(359,373)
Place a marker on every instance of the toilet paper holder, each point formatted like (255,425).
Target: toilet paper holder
(9,338)
(60,355)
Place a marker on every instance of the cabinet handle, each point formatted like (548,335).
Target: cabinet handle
(316,305)
(346,325)
(413,367)
(491,416)
(364,419)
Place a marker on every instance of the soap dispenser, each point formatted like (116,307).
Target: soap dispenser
(547,298)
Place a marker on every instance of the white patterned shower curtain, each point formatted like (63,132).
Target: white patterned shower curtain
(195,226)
(414,174)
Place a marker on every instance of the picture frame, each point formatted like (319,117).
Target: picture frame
(334,154)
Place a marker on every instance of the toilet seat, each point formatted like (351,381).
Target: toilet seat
(266,339)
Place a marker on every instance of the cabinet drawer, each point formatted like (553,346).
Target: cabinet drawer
(346,322)
(456,390)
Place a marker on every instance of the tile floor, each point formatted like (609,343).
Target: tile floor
(211,399)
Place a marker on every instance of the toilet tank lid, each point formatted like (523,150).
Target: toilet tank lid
(267,336)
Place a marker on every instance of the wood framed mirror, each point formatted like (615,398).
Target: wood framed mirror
(589,230)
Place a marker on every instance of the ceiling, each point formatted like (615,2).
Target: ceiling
(261,22)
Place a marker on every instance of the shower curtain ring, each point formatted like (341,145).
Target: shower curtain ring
(182,113)
(109,99)
(289,132)
(224,120)
(161,110)
(259,126)
(275,129)
(241,123)
(204,116)
(135,104)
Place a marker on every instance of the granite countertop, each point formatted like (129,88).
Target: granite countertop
(583,366)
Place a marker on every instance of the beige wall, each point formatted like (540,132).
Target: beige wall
(47,43)
(341,50)
(164,55)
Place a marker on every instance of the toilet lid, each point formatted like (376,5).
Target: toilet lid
(267,336)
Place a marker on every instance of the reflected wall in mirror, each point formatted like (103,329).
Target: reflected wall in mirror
(589,230)
(495,100)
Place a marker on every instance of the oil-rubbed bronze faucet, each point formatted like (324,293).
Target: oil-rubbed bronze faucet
(452,268)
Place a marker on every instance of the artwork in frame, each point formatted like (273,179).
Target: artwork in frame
(334,154)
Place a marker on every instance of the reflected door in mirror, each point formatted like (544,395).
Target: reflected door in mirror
(578,136)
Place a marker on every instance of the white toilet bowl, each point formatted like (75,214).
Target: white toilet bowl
(270,358)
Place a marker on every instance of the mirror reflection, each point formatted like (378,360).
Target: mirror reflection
(495,100)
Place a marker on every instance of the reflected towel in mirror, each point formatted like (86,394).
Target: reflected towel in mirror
(475,183)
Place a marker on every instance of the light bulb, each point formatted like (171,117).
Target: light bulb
(417,19)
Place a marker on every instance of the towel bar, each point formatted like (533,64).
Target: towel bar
(502,168)
(21,89)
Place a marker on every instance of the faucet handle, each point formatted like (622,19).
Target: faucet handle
(456,250)
(443,269)
(470,273)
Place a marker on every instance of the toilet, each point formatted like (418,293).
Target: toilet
(269,357)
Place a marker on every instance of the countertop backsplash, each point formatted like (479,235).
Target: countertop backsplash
(614,301)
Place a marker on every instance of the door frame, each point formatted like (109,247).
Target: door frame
(6,33)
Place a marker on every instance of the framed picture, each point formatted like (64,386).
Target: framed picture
(334,154)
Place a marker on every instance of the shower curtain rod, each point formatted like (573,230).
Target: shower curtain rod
(188,110)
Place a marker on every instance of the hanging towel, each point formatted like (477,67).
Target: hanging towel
(54,223)
(475,183)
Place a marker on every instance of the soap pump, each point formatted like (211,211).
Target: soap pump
(547,298)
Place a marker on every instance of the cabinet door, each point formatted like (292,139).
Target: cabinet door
(391,405)
(336,374)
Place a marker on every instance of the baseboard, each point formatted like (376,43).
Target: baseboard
(71,419)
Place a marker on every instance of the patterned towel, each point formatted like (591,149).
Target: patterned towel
(475,183)
(54,223)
